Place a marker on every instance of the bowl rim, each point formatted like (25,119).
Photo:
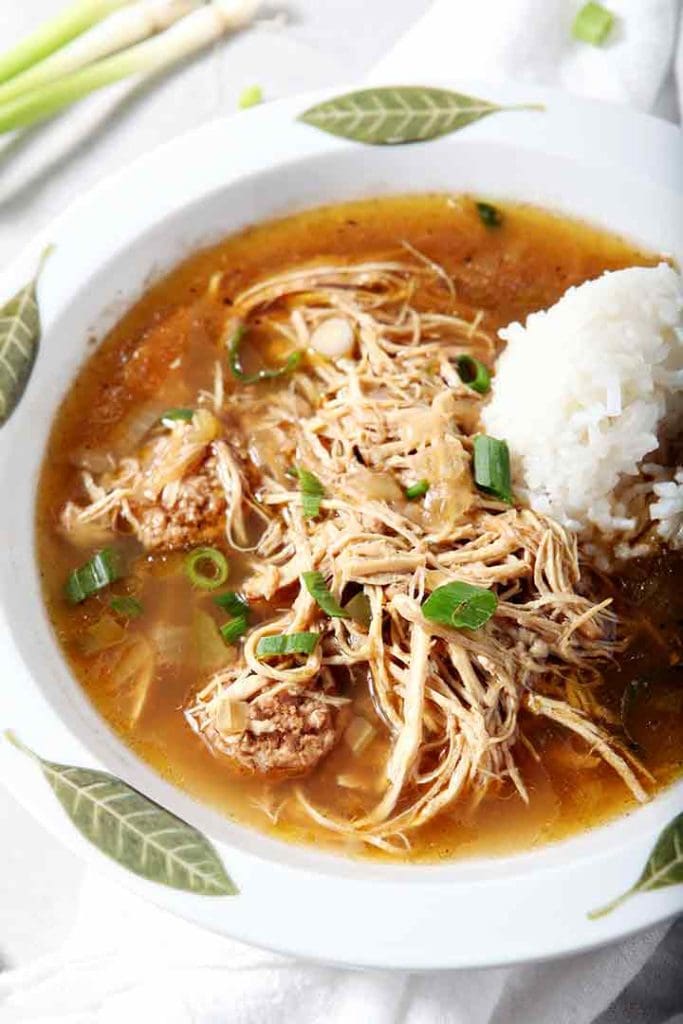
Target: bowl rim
(261,872)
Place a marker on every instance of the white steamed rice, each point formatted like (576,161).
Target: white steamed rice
(581,392)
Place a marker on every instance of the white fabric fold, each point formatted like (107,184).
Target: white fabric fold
(531,41)
(128,960)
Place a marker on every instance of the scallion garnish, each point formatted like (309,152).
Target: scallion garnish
(473,373)
(250,97)
(129,607)
(461,605)
(235,362)
(206,568)
(232,603)
(489,215)
(311,490)
(171,415)
(592,24)
(234,629)
(238,608)
(417,490)
(358,608)
(492,467)
(287,643)
(320,592)
(95,574)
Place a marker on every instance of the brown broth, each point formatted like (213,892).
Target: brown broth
(524,265)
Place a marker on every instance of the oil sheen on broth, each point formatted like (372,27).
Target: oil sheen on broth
(161,354)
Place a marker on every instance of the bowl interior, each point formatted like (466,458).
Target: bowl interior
(126,238)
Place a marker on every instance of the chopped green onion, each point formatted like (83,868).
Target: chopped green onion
(235,362)
(95,574)
(287,643)
(592,24)
(311,490)
(234,629)
(417,490)
(129,607)
(176,414)
(206,568)
(232,603)
(473,373)
(358,608)
(461,605)
(489,215)
(320,592)
(492,467)
(238,608)
(250,97)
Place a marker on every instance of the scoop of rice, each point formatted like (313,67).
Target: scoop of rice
(581,391)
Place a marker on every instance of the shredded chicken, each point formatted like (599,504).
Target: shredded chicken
(386,412)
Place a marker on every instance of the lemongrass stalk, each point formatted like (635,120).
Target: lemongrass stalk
(54,33)
(185,37)
(116,32)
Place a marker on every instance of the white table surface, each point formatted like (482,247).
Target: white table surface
(39,879)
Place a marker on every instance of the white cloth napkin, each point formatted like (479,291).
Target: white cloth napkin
(531,40)
(125,959)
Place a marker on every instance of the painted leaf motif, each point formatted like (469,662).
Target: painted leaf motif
(136,832)
(19,337)
(390,115)
(664,866)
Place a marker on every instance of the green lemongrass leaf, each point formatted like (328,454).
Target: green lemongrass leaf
(235,361)
(320,592)
(461,605)
(112,35)
(664,867)
(311,490)
(19,340)
(195,31)
(287,643)
(134,831)
(55,33)
(390,115)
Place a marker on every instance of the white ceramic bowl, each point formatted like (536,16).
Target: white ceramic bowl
(590,160)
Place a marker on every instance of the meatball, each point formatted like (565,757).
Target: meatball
(286,733)
(195,516)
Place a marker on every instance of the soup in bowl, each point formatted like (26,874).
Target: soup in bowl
(296,563)
(301,551)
